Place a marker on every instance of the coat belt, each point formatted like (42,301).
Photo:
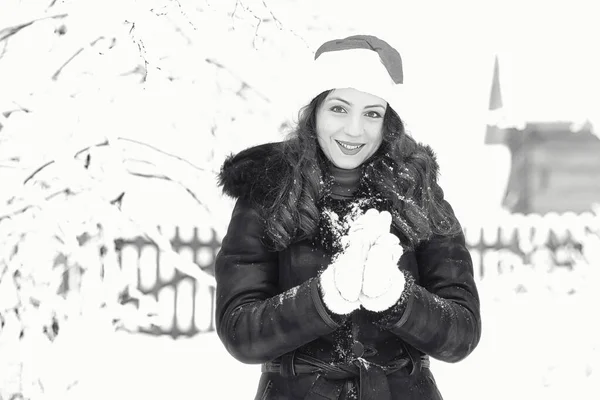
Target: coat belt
(373,382)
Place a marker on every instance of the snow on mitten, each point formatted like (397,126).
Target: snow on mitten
(341,282)
(373,224)
(383,282)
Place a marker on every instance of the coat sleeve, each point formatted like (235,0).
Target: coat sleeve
(254,320)
(440,315)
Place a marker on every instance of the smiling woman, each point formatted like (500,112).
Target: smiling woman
(343,268)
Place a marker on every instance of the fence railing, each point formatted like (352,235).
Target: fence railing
(187,306)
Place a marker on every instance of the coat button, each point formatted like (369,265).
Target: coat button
(358,349)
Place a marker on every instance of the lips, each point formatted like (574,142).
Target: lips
(349,148)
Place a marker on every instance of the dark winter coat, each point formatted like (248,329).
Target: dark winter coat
(269,308)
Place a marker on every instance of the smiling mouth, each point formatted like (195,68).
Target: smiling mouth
(348,146)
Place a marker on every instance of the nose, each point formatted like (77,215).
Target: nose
(354,127)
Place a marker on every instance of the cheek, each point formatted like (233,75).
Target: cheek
(322,136)
(320,131)
(325,128)
(376,135)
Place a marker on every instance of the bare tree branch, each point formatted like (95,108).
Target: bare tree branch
(256,30)
(38,170)
(8,31)
(104,143)
(279,25)
(20,108)
(47,164)
(4,47)
(184,14)
(219,65)
(142,50)
(21,208)
(146,162)
(11,30)
(150,176)
(237,2)
(133,141)
(59,70)
(275,19)
(3,119)
(170,179)
(248,10)
(162,152)
(260,20)
(176,26)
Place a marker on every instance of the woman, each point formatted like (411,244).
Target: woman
(343,268)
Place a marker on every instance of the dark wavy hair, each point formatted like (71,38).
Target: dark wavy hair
(402,173)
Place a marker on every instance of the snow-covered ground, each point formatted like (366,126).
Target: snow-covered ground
(539,344)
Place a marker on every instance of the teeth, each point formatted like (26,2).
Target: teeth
(348,146)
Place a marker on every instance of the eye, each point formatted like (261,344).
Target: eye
(338,109)
(373,114)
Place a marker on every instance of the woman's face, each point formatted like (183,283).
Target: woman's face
(350,126)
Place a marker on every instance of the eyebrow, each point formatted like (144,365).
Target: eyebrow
(350,104)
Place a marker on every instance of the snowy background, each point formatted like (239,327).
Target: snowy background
(115,116)
(534,346)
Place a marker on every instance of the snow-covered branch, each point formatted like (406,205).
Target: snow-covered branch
(244,84)
(77,163)
(77,52)
(16,27)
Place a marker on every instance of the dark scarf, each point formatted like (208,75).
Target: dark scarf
(345,182)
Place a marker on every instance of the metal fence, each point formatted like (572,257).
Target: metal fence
(187,307)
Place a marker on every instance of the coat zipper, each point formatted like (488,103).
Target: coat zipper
(265,392)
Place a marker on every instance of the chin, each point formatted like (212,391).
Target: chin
(347,164)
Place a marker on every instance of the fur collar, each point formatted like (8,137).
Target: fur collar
(255,173)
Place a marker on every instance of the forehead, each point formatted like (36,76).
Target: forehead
(354,96)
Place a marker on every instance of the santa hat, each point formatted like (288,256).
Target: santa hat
(361,62)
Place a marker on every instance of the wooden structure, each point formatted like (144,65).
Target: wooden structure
(555,165)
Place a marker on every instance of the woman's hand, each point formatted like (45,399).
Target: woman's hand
(366,272)
(349,266)
(341,282)
(383,282)
(369,226)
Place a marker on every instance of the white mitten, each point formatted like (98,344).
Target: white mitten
(372,224)
(341,282)
(383,282)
